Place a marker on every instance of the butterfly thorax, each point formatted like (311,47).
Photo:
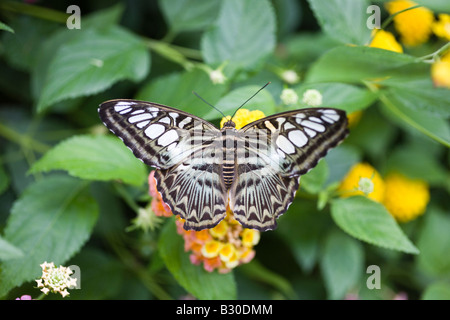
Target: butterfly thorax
(229,145)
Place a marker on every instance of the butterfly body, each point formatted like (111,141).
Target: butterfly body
(201,170)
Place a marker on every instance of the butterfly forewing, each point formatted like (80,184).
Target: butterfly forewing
(158,135)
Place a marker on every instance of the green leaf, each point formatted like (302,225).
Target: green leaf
(98,270)
(425,165)
(50,222)
(340,95)
(369,221)
(189,15)
(434,242)
(228,104)
(9,251)
(94,158)
(102,19)
(341,264)
(343,20)
(5,27)
(433,126)
(419,95)
(4,179)
(255,270)
(19,48)
(195,279)
(314,180)
(175,90)
(93,62)
(437,291)
(243,35)
(354,64)
(302,228)
(441,6)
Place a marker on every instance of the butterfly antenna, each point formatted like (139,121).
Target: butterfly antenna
(250,98)
(209,104)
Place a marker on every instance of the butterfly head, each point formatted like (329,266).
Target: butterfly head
(229,125)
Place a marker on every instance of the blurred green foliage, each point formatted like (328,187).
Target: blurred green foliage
(69,190)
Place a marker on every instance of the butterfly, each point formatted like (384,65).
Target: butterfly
(200,169)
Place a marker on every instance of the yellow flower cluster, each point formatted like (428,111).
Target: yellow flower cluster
(415,25)
(223,247)
(350,184)
(385,40)
(440,72)
(243,117)
(441,28)
(403,197)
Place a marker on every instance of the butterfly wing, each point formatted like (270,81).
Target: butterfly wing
(158,135)
(195,190)
(182,147)
(274,153)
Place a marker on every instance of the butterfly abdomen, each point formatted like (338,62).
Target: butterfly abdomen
(229,145)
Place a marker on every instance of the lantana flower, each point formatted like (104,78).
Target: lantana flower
(159,207)
(405,198)
(289,96)
(290,76)
(243,117)
(312,97)
(440,72)
(358,182)
(385,40)
(441,28)
(55,280)
(223,247)
(415,25)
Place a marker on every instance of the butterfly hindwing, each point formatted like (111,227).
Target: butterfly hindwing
(194,189)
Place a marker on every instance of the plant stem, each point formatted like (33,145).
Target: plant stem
(25,141)
(431,58)
(34,11)
(132,264)
(391,17)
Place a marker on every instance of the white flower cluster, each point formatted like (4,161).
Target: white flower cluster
(56,280)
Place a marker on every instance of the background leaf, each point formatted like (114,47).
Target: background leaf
(93,62)
(188,15)
(343,20)
(340,95)
(202,284)
(50,222)
(94,158)
(369,221)
(229,103)
(8,251)
(341,263)
(243,35)
(433,243)
(176,90)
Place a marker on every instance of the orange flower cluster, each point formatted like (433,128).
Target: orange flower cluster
(158,206)
(223,247)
